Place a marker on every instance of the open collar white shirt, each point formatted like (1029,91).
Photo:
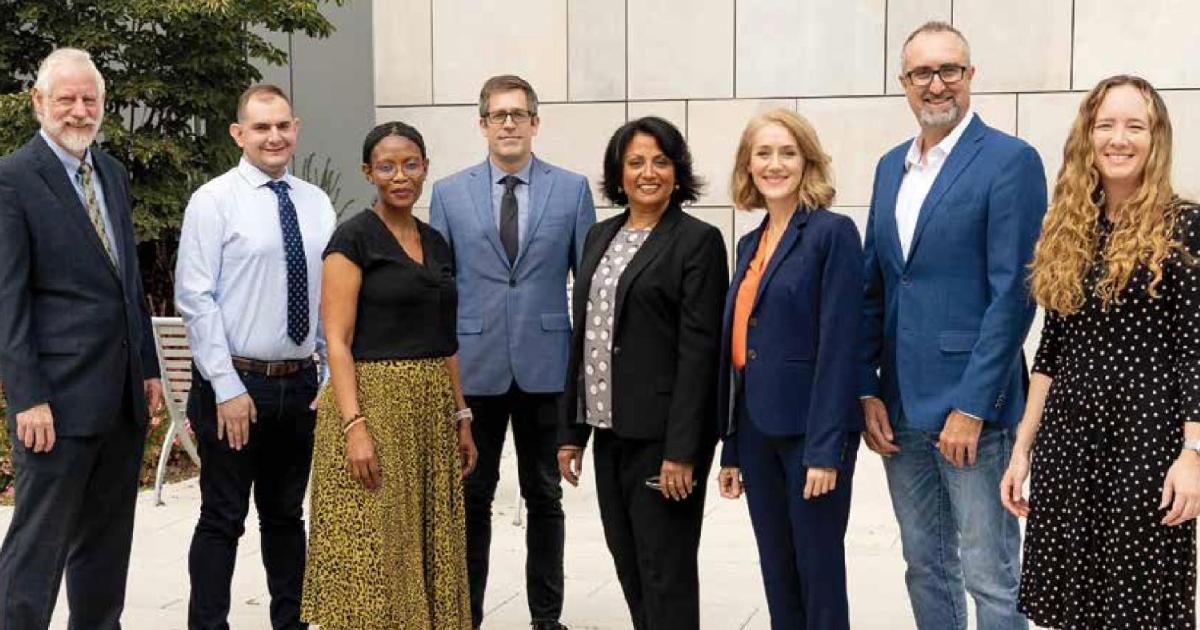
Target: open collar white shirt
(919,177)
(231,272)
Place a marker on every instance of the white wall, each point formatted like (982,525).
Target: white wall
(708,65)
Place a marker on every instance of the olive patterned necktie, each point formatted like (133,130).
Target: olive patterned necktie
(93,209)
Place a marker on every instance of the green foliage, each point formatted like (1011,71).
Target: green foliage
(327,179)
(174,70)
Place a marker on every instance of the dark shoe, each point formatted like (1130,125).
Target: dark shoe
(548,625)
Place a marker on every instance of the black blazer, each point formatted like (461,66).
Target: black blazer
(74,330)
(666,330)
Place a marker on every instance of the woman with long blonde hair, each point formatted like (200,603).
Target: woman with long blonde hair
(1111,430)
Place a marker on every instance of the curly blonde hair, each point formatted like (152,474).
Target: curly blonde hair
(1142,230)
(816,185)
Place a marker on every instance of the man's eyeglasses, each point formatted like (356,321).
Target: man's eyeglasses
(519,116)
(411,168)
(949,74)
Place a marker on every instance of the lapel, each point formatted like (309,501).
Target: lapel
(787,241)
(655,243)
(481,193)
(964,152)
(888,232)
(591,260)
(541,182)
(55,176)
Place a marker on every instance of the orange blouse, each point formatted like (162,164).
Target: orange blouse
(743,303)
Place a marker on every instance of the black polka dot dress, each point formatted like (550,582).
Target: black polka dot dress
(1125,380)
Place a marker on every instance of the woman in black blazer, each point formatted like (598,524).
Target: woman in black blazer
(642,375)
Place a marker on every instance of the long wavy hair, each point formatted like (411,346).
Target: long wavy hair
(1143,225)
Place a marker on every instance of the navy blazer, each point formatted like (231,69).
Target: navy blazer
(801,370)
(943,328)
(512,318)
(74,329)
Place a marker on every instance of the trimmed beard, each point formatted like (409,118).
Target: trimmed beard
(69,137)
(940,120)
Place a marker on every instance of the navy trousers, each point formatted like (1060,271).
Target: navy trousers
(800,541)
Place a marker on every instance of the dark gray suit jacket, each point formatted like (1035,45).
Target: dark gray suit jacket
(74,330)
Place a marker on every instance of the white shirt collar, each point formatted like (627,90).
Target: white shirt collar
(256,177)
(941,149)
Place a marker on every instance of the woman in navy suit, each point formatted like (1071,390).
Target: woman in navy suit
(788,410)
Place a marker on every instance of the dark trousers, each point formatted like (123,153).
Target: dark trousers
(73,511)
(801,546)
(535,424)
(653,540)
(274,463)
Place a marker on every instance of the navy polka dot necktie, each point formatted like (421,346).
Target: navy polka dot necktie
(297,270)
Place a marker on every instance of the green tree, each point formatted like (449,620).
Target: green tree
(174,70)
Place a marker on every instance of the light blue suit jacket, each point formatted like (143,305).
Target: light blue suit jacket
(512,318)
(943,329)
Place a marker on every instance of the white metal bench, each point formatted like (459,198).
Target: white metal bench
(175,364)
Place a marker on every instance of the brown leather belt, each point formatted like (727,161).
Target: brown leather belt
(272,368)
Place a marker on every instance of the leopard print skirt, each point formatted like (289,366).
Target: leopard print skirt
(393,559)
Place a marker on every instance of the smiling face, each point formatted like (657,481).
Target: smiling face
(776,164)
(647,175)
(510,143)
(266,131)
(1121,138)
(72,109)
(938,105)
(398,171)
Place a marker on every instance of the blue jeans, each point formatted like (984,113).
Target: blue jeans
(955,533)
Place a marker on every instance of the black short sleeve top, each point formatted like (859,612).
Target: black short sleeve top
(406,309)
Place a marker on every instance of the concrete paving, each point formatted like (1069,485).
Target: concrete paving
(731,587)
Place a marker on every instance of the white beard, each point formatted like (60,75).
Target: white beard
(72,138)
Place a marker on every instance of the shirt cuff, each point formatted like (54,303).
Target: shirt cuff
(969,415)
(228,387)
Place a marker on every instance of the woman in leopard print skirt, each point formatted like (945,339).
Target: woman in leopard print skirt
(387,546)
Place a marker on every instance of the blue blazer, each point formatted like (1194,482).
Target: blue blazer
(801,370)
(943,329)
(512,318)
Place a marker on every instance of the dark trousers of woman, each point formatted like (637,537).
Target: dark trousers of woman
(801,546)
(653,541)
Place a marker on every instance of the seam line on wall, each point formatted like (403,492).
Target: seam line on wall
(766,97)
(432,67)
(568,68)
(734,88)
(1071,69)
(886,32)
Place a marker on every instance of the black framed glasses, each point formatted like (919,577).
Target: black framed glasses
(519,116)
(949,73)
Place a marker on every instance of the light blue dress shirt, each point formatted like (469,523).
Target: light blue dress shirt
(521,191)
(72,163)
(231,273)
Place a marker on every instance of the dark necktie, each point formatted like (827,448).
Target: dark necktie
(509,234)
(297,269)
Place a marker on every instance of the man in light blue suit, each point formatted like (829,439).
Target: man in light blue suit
(954,216)
(516,225)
